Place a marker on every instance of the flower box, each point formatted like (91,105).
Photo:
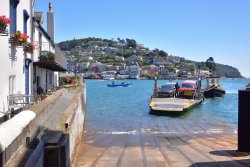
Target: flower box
(4,21)
(28,49)
(3,30)
(18,39)
(15,41)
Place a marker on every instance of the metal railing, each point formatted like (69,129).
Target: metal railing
(60,57)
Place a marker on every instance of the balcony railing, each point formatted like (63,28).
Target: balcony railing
(60,57)
(51,58)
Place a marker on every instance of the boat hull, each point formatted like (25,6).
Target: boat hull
(213,92)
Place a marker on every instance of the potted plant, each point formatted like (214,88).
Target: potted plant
(29,47)
(4,21)
(51,56)
(18,39)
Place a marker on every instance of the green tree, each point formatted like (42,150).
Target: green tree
(131,43)
(162,53)
(170,68)
(156,51)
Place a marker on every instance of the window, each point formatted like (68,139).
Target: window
(13,8)
(25,19)
(12,84)
(40,41)
(50,78)
(34,74)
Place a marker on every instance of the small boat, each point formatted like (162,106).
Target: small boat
(123,84)
(213,88)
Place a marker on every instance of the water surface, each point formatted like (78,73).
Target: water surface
(126,109)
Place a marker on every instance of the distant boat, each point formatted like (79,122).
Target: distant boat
(123,84)
(108,77)
(213,88)
(96,77)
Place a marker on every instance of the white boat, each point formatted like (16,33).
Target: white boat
(108,77)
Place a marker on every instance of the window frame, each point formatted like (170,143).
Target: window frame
(13,16)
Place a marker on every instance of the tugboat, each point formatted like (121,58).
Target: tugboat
(213,88)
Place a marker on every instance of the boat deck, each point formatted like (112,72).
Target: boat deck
(172,104)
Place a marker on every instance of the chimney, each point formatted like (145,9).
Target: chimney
(50,7)
(50,23)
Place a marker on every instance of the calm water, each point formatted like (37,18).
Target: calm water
(118,110)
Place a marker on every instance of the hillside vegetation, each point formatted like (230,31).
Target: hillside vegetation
(105,51)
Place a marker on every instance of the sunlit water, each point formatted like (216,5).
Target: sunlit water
(126,109)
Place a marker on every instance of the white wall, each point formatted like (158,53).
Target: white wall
(51,82)
(12,58)
(41,72)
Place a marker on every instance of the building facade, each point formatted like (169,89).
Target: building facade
(24,49)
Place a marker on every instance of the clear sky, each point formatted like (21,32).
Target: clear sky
(194,29)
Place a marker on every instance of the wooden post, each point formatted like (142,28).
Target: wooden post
(155,88)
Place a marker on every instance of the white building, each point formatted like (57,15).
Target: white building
(158,60)
(174,59)
(13,72)
(134,71)
(119,58)
(86,59)
(134,58)
(23,72)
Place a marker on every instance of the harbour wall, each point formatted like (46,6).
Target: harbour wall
(26,144)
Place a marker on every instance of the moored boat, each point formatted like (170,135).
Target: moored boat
(213,88)
(108,77)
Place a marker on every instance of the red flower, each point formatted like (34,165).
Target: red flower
(4,20)
(22,37)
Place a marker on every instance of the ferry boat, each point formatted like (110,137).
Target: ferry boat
(167,105)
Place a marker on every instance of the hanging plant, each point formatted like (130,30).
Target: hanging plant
(4,21)
(28,47)
(18,39)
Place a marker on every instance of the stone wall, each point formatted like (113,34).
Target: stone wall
(72,118)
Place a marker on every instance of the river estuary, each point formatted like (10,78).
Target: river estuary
(119,131)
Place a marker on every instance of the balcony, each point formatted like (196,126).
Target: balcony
(52,61)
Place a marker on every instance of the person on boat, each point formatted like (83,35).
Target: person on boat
(177,87)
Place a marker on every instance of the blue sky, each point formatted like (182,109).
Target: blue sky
(194,29)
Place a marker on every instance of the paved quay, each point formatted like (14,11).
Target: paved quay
(169,145)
